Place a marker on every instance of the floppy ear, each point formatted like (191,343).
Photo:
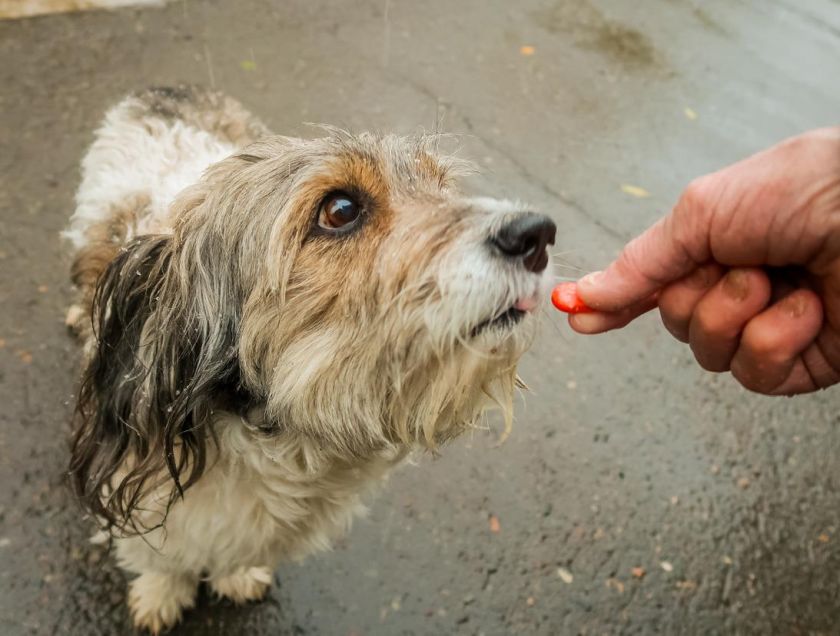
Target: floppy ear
(165,325)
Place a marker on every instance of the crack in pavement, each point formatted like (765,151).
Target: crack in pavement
(521,169)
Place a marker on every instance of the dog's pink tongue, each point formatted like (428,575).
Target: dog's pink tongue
(527,304)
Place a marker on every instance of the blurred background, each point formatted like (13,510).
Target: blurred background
(636,494)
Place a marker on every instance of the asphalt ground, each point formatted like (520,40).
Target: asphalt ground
(637,494)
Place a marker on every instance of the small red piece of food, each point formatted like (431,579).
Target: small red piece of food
(565,298)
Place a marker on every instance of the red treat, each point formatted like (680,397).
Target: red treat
(565,298)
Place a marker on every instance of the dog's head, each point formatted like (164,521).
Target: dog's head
(344,286)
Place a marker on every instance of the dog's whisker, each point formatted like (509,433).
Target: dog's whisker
(553,323)
(563,253)
(568,266)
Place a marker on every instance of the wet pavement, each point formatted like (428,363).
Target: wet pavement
(637,494)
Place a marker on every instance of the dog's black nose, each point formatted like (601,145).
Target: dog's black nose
(526,236)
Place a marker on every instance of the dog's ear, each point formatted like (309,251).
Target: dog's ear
(165,325)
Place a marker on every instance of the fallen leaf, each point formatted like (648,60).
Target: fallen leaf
(25,357)
(2,343)
(689,114)
(43,289)
(527,50)
(666,565)
(675,500)
(639,572)
(248,65)
(571,385)
(823,538)
(743,483)
(686,585)
(727,560)
(635,191)
(616,585)
(495,526)
(530,601)
(565,576)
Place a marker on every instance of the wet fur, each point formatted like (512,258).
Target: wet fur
(248,377)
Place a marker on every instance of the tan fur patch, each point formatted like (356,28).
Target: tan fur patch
(104,241)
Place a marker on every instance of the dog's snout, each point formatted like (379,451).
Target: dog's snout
(526,236)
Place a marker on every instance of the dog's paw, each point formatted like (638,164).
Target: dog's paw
(156,600)
(245,584)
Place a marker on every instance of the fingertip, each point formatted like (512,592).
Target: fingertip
(600,321)
(589,323)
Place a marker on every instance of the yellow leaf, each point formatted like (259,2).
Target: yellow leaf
(689,113)
(635,191)
(248,65)
(527,50)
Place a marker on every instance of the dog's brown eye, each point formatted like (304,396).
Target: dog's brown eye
(338,210)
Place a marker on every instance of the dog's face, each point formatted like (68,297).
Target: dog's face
(378,303)
(341,289)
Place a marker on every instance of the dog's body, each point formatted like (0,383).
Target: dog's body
(271,338)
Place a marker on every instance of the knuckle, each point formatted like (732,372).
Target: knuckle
(634,257)
(697,195)
(710,323)
(748,380)
(676,326)
(710,358)
(753,377)
(764,344)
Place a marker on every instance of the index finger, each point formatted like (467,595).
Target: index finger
(598,322)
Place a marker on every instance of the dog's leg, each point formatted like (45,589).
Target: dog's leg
(245,584)
(157,599)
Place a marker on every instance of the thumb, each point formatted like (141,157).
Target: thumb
(671,248)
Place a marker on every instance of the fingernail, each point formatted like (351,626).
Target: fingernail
(736,284)
(592,279)
(793,305)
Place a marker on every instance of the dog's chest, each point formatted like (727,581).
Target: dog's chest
(271,500)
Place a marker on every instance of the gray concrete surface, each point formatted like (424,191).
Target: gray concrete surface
(624,455)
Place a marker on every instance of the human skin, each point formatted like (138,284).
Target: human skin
(745,269)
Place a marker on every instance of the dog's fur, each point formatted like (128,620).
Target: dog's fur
(249,375)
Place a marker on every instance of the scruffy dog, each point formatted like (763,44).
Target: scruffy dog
(271,324)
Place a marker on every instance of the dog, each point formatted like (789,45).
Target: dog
(270,325)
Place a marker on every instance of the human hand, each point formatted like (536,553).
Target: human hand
(745,269)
